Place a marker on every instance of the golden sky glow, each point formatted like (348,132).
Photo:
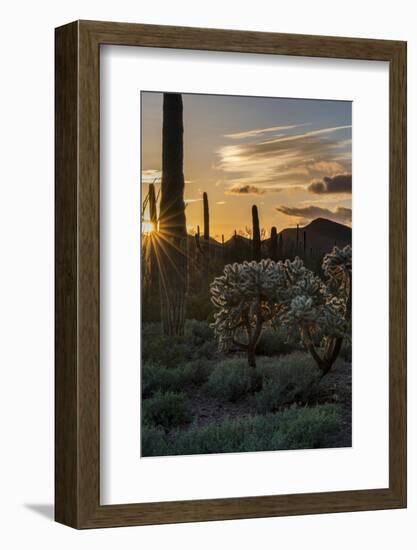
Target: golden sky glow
(292,158)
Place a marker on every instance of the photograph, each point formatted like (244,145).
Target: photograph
(246,274)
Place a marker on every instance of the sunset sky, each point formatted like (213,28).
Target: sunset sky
(290,157)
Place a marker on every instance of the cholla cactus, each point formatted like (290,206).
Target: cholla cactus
(245,296)
(251,295)
(320,311)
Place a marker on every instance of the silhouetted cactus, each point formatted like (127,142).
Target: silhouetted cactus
(280,247)
(273,244)
(206,217)
(256,235)
(197,240)
(173,259)
(153,262)
(304,244)
(153,217)
(296,239)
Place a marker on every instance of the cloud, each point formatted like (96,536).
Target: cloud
(342,183)
(319,132)
(245,190)
(341,214)
(292,160)
(150,175)
(189,201)
(261,131)
(221,202)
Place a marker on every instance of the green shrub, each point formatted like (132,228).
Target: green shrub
(285,380)
(167,409)
(230,380)
(199,338)
(294,428)
(153,441)
(312,428)
(158,349)
(198,371)
(158,377)
(167,351)
(274,342)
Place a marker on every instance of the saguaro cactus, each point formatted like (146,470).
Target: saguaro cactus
(280,247)
(173,260)
(256,235)
(206,217)
(152,207)
(273,244)
(153,261)
(296,239)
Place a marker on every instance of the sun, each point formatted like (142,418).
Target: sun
(147,227)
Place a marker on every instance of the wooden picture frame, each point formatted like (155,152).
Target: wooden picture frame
(77,382)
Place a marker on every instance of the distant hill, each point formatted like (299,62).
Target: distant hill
(321,235)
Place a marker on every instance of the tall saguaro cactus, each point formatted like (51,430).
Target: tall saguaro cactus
(206,217)
(273,244)
(280,247)
(296,239)
(206,238)
(256,235)
(153,217)
(153,261)
(172,253)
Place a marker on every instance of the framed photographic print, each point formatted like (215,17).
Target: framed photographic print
(230,274)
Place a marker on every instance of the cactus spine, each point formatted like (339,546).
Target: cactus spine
(172,223)
(256,235)
(273,244)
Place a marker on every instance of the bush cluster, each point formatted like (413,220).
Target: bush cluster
(182,378)
(294,428)
(230,380)
(285,380)
(171,352)
(167,410)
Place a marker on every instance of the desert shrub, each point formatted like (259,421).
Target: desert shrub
(153,441)
(285,380)
(199,338)
(274,342)
(230,380)
(167,409)
(295,428)
(198,371)
(311,428)
(159,378)
(198,332)
(158,349)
